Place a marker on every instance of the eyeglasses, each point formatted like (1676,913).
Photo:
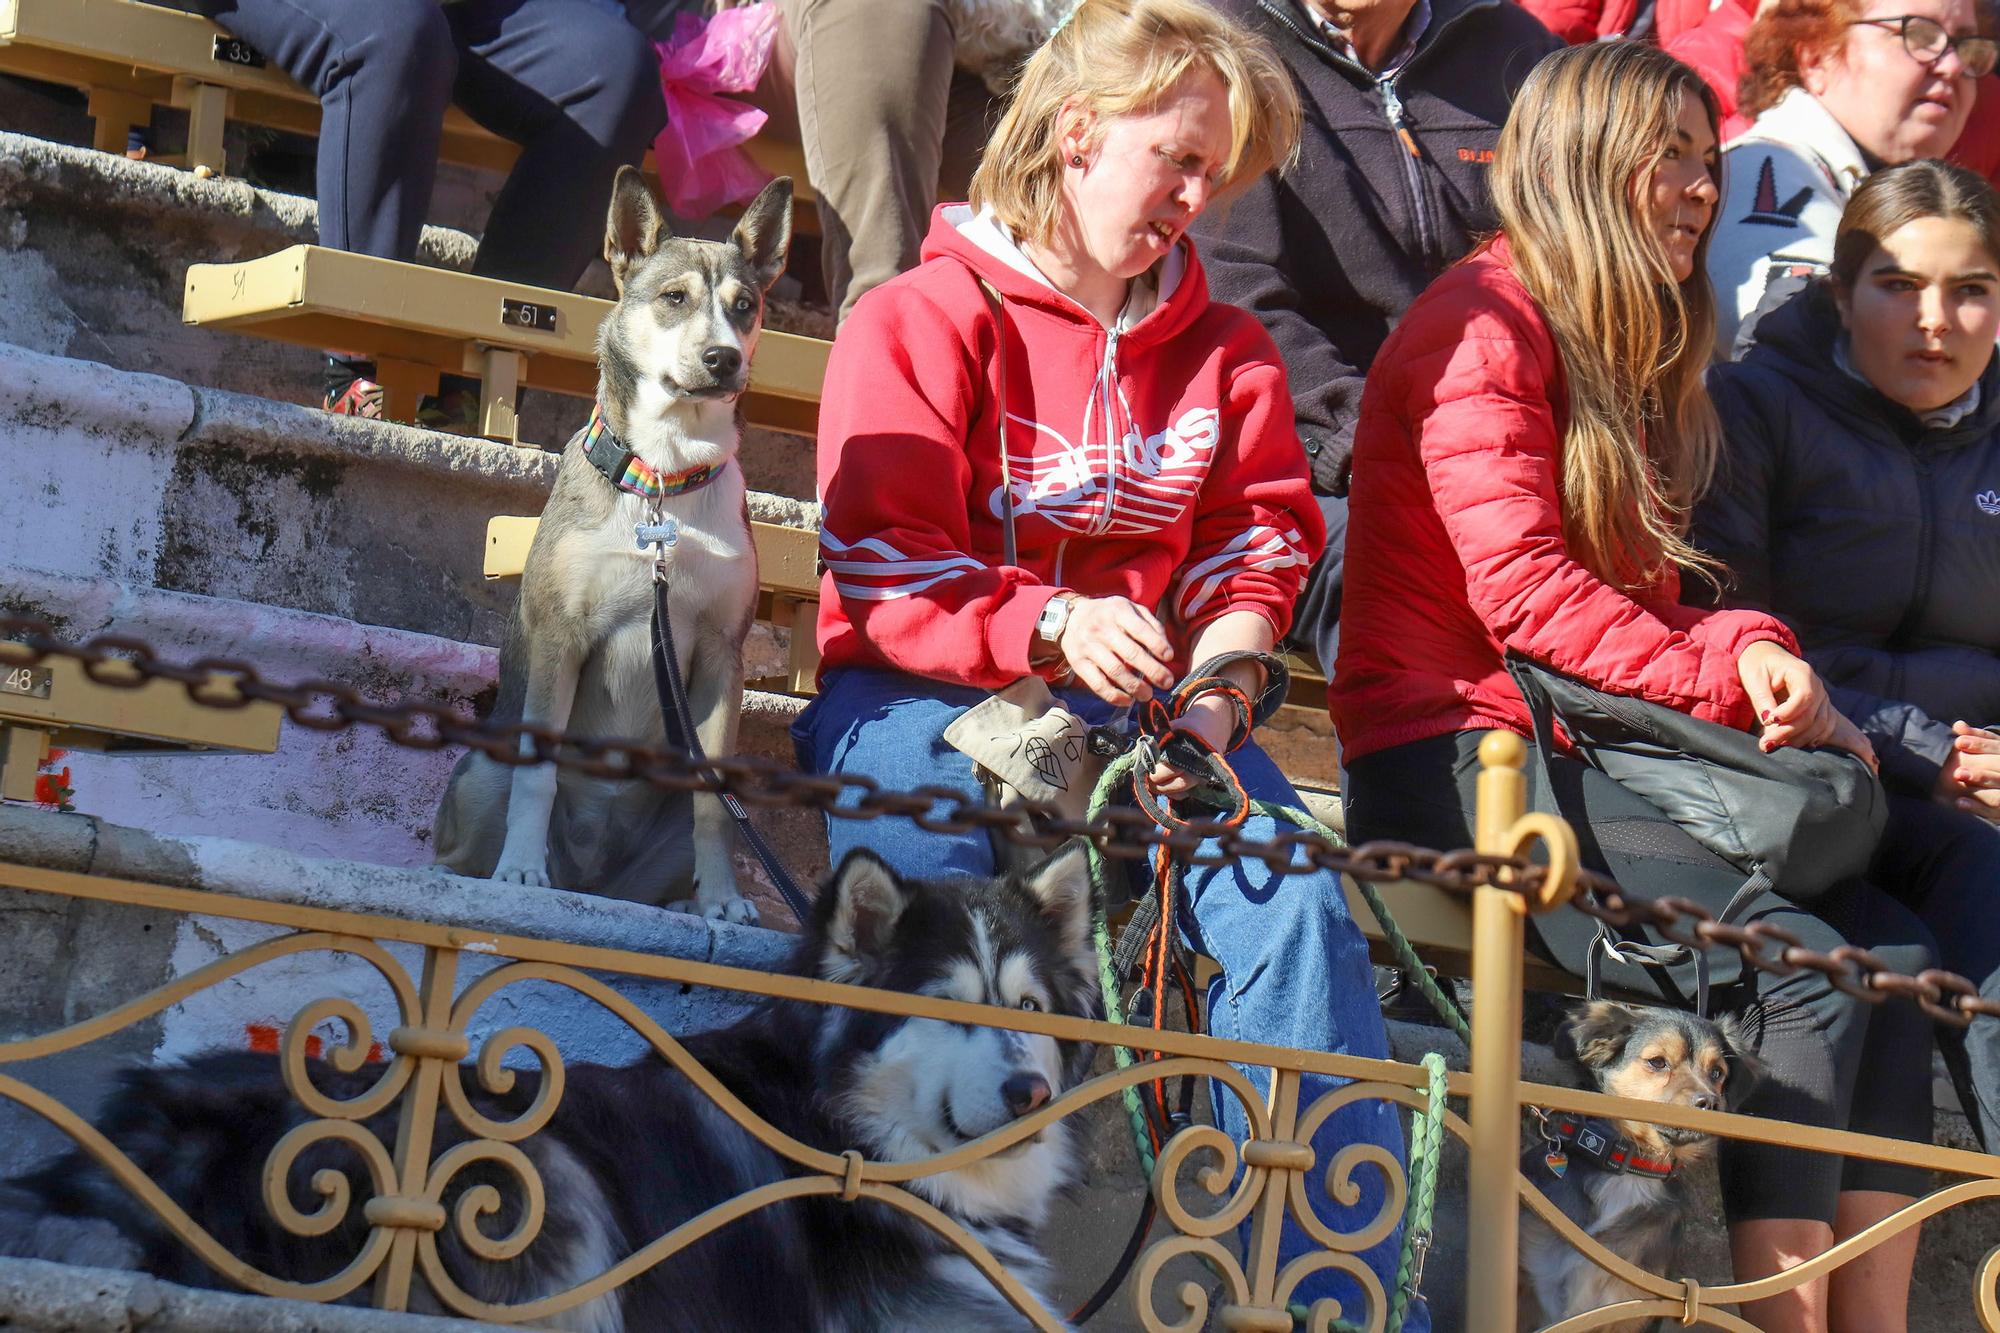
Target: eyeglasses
(1927,41)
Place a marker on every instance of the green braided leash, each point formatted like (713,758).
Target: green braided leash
(1426,1127)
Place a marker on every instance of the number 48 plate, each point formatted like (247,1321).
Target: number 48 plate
(30,681)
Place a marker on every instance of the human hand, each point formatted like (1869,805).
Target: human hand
(1211,719)
(1846,736)
(1117,648)
(1970,778)
(1792,703)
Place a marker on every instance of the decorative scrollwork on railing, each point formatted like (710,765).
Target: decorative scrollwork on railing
(496,1078)
(1193,1296)
(1341,1185)
(484,1200)
(466,1184)
(331,1185)
(1986,1291)
(1320,1315)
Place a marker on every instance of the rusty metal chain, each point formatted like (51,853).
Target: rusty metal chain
(123,662)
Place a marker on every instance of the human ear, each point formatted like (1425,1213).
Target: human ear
(1078,132)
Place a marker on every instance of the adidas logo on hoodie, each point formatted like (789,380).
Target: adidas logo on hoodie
(1988,502)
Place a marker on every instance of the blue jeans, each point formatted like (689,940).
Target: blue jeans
(1294,967)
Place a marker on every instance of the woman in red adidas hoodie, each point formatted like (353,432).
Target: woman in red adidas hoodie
(1503,500)
(1159,503)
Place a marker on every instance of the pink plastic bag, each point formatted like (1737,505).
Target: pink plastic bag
(702,165)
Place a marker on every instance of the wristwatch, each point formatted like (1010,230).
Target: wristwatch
(1050,623)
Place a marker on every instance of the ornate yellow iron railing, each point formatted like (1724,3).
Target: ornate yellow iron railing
(1261,1180)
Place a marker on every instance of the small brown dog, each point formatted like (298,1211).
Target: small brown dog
(1624,1181)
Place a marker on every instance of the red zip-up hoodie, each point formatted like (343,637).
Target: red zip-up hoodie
(1455,549)
(1158,462)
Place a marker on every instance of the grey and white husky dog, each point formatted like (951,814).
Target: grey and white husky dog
(673,357)
(633,1152)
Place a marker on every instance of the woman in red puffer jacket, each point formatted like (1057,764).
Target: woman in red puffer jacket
(1531,442)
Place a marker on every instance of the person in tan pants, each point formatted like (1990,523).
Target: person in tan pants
(890,125)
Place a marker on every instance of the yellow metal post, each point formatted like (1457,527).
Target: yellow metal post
(499,372)
(23,750)
(113,116)
(416,1124)
(208,113)
(1498,917)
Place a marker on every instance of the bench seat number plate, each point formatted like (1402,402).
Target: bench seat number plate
(527,315)
(30,681)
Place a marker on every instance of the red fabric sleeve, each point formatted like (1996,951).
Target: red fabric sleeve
(1490,445)
(1257,528)
(1572,21)
(903,387)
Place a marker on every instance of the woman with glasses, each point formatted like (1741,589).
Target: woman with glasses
(1838,89)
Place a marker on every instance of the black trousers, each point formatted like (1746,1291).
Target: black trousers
(1833,1061)
(572,82)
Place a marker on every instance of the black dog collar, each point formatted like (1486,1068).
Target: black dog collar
(1599,1142)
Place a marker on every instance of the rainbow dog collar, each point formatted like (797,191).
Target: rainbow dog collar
(631,473)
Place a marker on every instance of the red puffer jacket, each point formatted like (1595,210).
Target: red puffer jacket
(1455,549)
(1578,21)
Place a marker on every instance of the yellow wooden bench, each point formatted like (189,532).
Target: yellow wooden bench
(129,57)
(56,704)
(417,321)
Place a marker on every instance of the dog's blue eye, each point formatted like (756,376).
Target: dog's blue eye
(1031,1004)
(744,305)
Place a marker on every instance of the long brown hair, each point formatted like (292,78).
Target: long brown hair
(1642,437)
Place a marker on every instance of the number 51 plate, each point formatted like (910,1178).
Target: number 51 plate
(30,681)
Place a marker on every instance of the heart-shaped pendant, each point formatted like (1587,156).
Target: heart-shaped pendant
(1557,1161)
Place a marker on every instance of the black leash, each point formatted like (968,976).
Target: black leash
(681,734)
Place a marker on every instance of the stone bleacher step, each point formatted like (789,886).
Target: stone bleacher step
(69,958)
(96,252)
(154,482)
(351,794)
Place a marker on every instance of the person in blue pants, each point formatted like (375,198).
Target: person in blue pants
(1045,452)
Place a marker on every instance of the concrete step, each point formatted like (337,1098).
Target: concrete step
(350,794)
(69,959)
(153,481)
(97,250)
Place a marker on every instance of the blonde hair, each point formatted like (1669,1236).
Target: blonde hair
(1642,437)
(1118,57)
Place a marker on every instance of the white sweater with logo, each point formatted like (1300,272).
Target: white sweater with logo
(1785,182)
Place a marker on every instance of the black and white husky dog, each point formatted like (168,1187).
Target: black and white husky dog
(633,1152)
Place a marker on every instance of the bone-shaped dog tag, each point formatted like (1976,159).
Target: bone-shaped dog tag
(664,533)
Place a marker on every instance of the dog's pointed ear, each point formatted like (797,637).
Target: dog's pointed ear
(858,914)
(1746,1071)
(1061,885)
(1595,1035)
(635,226)
(764,234)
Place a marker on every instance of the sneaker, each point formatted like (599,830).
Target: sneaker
(360,398)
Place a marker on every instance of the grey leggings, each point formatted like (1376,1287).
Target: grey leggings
(570,81)
(1834,1061)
